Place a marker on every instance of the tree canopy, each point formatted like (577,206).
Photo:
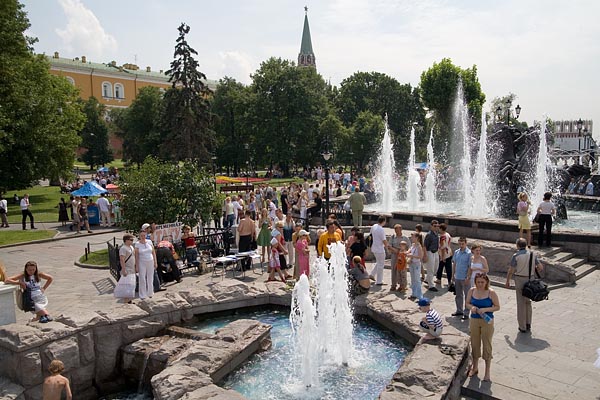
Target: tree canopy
(163,192)
(39,113)
(186,117)
(94,134)
(380,94)
(438,92)
(139,126)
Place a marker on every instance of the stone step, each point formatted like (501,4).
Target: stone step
(548,251)
(560,256)
(500,281)
(584,269)
(575,262)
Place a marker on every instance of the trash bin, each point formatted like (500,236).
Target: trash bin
(93,215)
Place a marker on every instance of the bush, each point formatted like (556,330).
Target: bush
(163,192)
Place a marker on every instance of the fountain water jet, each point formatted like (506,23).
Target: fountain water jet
(323,329)
(412,183)
(385,176)
(430,181)
(482,198)
(461,141)
(541,182)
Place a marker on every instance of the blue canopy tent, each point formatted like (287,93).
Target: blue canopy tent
(103,169)
(90,189)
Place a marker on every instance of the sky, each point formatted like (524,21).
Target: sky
(547,52)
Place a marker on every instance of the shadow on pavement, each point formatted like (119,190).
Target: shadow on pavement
(104,286)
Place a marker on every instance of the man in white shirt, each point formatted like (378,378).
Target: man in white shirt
(104,208)
(3,212)
(379,243)
(236,209)
(26,212)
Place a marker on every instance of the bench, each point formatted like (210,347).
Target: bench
(237,188)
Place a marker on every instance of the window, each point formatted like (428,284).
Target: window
(119,91)
(107,90)
(71,80)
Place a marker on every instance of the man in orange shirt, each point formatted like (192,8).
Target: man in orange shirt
(329,237)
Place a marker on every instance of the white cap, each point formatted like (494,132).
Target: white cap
(145,226)
(302,233)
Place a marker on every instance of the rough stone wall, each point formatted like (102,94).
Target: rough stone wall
(90,343)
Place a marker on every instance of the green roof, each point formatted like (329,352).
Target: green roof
(306,46)
(116,69)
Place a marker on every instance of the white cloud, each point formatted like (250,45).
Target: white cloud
(237,65)
(84,34)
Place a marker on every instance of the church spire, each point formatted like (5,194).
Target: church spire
(306,58)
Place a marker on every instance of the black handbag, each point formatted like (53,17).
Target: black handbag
(253,244)
(536,289)
(27,301)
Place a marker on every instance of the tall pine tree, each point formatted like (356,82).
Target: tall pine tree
(186,118)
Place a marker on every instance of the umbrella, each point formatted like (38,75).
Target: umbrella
(112,188)
(90,189)
(103,169)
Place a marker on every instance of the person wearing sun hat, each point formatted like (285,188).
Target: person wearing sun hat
(276,250)
(303,252)
(432,323)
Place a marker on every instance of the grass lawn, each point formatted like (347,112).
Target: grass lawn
(44,204)
(11,237)
(99,257)
(85,169)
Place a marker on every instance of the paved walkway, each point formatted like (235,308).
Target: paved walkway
(554,362)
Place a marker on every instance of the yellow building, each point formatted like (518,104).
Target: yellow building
(112,85)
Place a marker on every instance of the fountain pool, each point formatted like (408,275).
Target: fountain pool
(377,355)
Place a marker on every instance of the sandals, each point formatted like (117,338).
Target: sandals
(271,280)
(472,372)
(448,350)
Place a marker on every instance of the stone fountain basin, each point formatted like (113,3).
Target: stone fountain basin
(91,344)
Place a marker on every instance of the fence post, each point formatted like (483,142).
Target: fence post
(86,254)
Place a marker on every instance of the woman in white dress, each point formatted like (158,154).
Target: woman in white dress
(31,279)
(479,263)
(145,264)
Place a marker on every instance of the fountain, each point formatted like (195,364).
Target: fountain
(413,181)
(430,180)
(385,176)
(482,199)
(461,147)
(540,179)
(323,330)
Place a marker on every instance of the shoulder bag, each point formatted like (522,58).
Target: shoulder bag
(535,289)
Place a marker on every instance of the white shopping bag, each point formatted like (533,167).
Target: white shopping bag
(125,288)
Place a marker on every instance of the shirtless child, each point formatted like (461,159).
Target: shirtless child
(55,383)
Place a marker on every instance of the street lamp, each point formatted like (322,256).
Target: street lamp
(508,105)
(246,146)
(326,156)
(579,126)
(214,165)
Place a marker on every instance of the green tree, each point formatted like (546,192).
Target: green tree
(230,107)
(139,126)
(499,107)
(186,117)
(39,113)
(163,192)
(381,94)
(366,136)
(94,134)
(438,92)
(286,109)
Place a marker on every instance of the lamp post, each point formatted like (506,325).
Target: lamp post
(246,146)
(326,157)
(579,126)
(508,105)
(214,165)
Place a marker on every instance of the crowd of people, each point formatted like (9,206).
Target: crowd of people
(274,226)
